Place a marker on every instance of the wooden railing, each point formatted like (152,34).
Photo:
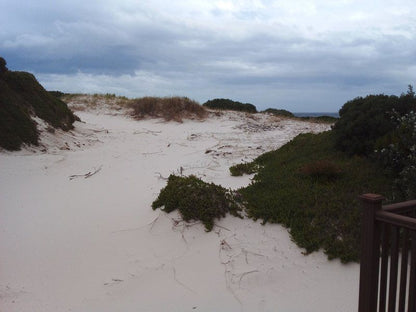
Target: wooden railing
(388,256)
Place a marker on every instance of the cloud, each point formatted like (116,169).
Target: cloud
(259,50)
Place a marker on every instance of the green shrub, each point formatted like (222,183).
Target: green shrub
(197,200)
(57,94)
(227,104)
(399,157)
(16,125)
(364,122)
(21,96)
(170,108)
(279,112)
(45,106)
(3,67)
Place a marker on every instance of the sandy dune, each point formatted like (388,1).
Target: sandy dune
(70,243)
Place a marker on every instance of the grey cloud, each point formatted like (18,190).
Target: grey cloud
(263,63)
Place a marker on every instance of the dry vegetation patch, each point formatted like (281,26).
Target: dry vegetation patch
(168,108)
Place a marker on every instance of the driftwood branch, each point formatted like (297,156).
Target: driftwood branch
(86,175)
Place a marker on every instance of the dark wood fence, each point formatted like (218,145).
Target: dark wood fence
(388,256)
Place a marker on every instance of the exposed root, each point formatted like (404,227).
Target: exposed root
(221,227)
(182,225)
(152,224)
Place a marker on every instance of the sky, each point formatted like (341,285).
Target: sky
(299,55)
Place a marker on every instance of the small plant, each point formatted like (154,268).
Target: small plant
(197,200)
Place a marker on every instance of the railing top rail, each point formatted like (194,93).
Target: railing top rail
(401,207)
(396,219)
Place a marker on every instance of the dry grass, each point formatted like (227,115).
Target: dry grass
(168,108)
(82,102)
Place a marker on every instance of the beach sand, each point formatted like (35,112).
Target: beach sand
(71,243)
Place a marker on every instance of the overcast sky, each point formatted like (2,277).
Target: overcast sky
(299,55)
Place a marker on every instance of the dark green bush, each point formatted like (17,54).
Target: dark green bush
(365,122)
(21,96)
(3,67)
(227,104)
(197,200)
(16,125)
(45,105)
(279,112)
(399,157)
(57,94)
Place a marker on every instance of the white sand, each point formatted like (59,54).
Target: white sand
(95,244)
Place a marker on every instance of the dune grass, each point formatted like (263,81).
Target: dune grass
(168,108)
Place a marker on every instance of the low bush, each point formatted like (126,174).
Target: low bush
(197,200)
(279,112)
(227,104)
(170,108)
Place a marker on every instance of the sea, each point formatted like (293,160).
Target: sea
(314,114)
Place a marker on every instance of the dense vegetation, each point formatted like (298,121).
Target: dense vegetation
(311,184)
(366,123)
(227,104)
(169,108)
(311,188)
(197,200)
(21,96)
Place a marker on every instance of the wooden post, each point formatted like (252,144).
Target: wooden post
(370,253)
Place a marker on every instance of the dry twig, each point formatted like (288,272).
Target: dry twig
(86,175)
